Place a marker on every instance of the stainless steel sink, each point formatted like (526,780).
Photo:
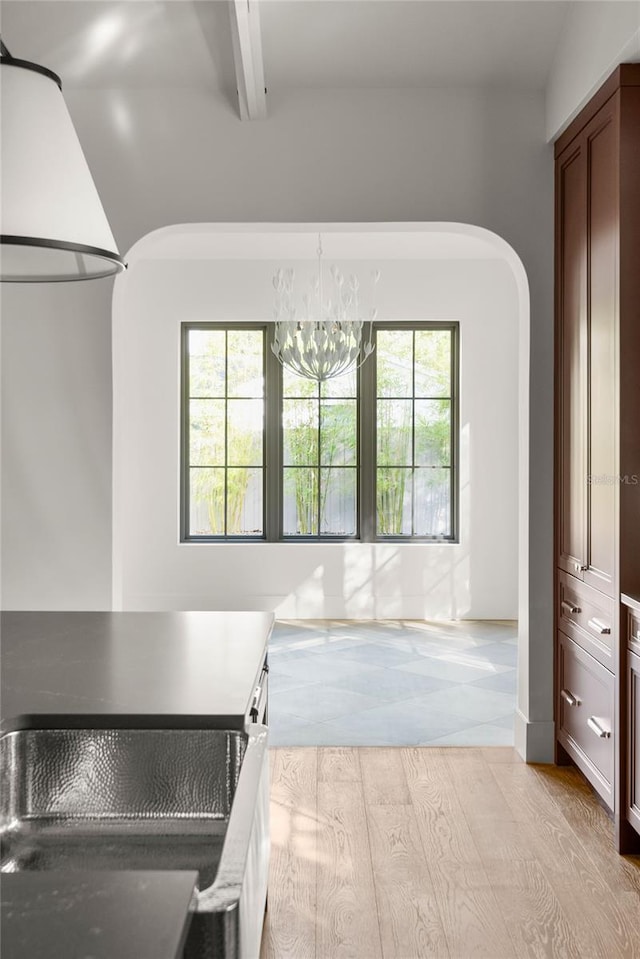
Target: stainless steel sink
(78,799)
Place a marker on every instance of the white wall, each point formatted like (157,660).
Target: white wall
(476,578)
(597,35)
(56,445)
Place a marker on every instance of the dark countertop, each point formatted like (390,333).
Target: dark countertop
(96,915)
(195,669)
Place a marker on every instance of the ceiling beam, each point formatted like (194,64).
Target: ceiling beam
(247,54)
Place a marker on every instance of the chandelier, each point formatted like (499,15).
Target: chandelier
(328,338)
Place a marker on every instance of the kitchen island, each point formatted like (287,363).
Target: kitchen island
(200,675)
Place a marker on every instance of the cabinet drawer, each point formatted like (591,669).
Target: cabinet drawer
(585,711)
(587,616)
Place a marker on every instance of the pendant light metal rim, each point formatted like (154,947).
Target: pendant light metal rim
(30,65)
(113,258)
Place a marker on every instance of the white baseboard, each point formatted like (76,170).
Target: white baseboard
(534,740)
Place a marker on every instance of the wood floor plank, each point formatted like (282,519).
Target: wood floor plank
(471,915)
(383,776)
(444,830)
(290,925)
(478,792)
(347,915)
(569,868)
(410,923)
(557,845)
(534,918)
(439,876)
(339,764)
(585,815)
(599,926)
(497,834)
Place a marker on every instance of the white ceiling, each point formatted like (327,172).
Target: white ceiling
(306,43)
(408,43)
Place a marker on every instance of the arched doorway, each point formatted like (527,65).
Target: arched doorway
(144,320)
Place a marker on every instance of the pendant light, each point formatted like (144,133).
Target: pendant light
(327,337)
(52,225)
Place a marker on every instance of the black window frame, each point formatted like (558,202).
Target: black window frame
(366,465)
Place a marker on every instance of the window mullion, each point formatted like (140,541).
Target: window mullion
(185,472)
(413,433)
(318,464)
(454,421)
(273,447)
(367,412)
(226,427)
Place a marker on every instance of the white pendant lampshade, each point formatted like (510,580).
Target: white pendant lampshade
(52,225)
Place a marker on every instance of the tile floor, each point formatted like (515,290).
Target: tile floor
(392,683)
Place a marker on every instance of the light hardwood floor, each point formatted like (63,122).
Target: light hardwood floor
(400,853)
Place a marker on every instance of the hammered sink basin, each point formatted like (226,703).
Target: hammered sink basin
(147,799)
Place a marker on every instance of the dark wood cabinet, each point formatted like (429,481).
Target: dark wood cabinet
(597,434)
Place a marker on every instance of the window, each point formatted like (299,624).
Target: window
(414,432)
(272,456)
(224,377)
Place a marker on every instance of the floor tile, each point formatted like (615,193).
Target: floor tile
(505,721)
(378,654)
(486,734)
(317,667)
(500,682)
(310,734)
(314,644)
(282,682)
(389,685)
(479,705)
(403,724)
(420,641)
(499,653)
(281,722)
(320,702)
(455,669)
(421,682)
(335,734)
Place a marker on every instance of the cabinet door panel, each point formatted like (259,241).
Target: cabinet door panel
(572,230)
(602,486)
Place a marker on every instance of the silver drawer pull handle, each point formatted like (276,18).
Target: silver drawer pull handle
(599,730)
(579,568)
(569,607)
(599,627)
(569,698)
